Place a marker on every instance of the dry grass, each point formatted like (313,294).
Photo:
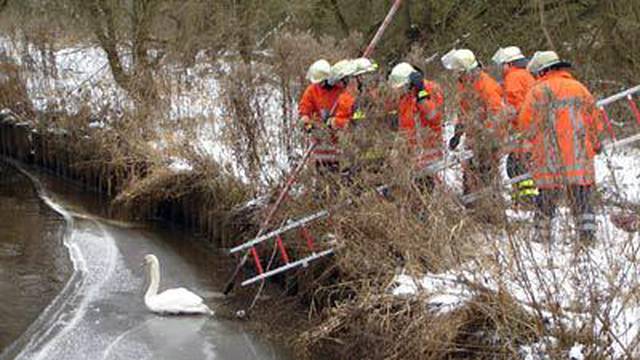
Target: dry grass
(13,93)
(351,311)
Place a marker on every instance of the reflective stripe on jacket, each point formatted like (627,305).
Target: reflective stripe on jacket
(561,121)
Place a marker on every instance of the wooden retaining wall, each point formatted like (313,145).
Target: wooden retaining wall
(51,152)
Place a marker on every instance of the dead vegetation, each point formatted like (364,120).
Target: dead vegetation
(352,312)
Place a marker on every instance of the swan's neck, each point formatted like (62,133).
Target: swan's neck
(154,280)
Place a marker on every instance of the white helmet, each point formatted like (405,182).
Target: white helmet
(507,55)
(460,60)
(399,76)
(363,66)
(319,71)
(341,70)
(543,60)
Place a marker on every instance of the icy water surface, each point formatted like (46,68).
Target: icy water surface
(100,313)
(34,265)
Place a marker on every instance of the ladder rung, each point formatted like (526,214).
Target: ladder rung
(290,226)
(623,142)
(473,197)
(449,161)
(283,268)
(618,96)
(469,198)
(517,179)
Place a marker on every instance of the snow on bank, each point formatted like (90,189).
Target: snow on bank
(179,165)
(80,76)
(547,277)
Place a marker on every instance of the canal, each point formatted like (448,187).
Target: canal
(71,286)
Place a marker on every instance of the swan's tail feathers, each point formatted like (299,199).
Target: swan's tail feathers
(209,311)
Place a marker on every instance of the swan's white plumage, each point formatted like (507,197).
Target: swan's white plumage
(171,301)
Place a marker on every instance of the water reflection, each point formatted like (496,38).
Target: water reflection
(33,263)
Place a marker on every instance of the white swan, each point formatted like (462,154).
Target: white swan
(172,301)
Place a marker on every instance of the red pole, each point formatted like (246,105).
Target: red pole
(605,116)
(292,178)
(376,39)
(634,108)
(256,260)
(383,27)
(307,236)
(263,227)
(283,252)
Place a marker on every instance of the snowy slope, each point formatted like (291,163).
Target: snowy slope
(542,277)
(83,78)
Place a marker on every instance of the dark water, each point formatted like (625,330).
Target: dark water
(100,313)
(34,264)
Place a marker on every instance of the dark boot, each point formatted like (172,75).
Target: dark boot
(581,201)
(546,204)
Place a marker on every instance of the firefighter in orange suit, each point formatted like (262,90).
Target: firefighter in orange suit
(349,110)
(314,110)
(481,118)
(517,82)
(420,115)
(560,120)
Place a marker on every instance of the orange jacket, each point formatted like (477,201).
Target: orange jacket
(421,123)
(479,103)
(560,119)
(517,83)
(315,100)
(484,89)
(345,109)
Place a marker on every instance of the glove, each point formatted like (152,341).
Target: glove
(325,116)
(598,148)
(358,115)
(330,123)
(392,120)
(454,142)
(308,127)
(307,124)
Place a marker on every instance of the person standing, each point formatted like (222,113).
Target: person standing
(420,114)
(349,109)
(560,120)
(517,82)
(314,111)
(481,117)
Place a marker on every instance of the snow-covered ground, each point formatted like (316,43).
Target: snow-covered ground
(83,78)
(596,289)
(539,276)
